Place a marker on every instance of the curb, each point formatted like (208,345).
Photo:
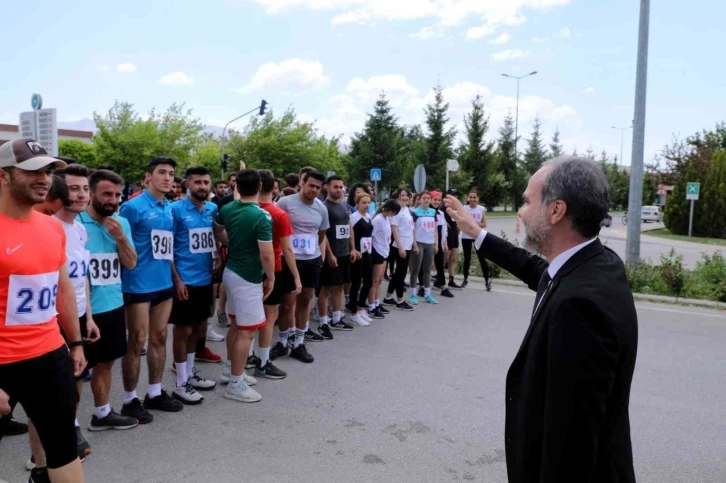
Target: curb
(637,296)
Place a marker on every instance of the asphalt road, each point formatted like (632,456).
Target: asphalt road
(614,237)
(418,397)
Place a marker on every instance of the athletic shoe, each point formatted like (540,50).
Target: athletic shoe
(413,299)
(464,283)
(374,314)
(454,285)
(421,292)
(207,356)
(200,383)
(439,286)
(278,350)
(136,410)
(364,315)
(489,285)
(83,446)
(213,336)
(242,392)
(359,321)
(324,332)
(113,420)
(447,293)
(430,299)
(227,375)
(311,336)
(143,352)
(383,310)
(389,301)
(30,464)
(270,371)
(163,402)
(301,353)
(187,395)
(291,342)
(404,306)
(16,428)
(222,319)
(39,475)
(314,311)
(341,326)
(252,362)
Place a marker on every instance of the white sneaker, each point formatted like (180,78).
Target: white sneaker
(251,381)
(365,317)
(187,395)
(358,320)
(199,383)
(227,375)
(242,392)
(213,336)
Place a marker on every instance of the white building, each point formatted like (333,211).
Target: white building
(8,132)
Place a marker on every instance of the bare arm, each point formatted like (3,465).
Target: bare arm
(267,257)
(91,328)
(220,234)
(483,223)
(290,259)
(126,253)
(68,319)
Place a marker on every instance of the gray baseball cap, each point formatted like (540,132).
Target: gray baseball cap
(27,154)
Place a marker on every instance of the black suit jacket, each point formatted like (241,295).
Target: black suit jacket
(568,389)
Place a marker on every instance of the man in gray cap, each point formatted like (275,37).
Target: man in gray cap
(37,368)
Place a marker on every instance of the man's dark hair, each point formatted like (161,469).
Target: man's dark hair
(197,171)
(58,190)
(72,170)
(67,160)
(217,183)
(314,175)
(159,162)
(103,175)
(292,180)
(287,191)
(107,167)
(332,178)
(582,185)
(230,175)
(248,182)
(267,178)
(306,170)
(178,179)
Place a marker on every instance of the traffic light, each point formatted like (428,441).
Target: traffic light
(225,162)
(263,106)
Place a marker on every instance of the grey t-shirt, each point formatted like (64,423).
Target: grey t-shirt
(339,231)
(307,221)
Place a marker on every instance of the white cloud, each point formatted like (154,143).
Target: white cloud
(539,40)
(565,33)
(105,68)
(176,79)
(396,88)
(288,73)
(475,33)
(501,40)
(431,32)
(589,90)
(126,67)
(510,54)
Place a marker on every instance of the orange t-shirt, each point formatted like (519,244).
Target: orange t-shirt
(32,251)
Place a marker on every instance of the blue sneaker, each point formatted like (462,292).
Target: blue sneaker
(430,299)
(413,300)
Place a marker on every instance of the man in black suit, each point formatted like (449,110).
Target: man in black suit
(568,389)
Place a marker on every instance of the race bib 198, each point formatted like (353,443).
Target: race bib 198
(201,240)
(476,216)
(342,232)
(31,299)
(304,244)
(104,269)
(428,225)
(366,245)
(162,244)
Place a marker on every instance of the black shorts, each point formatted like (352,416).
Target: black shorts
(377,258)
(154,297)
(46,389)
(335,276)
(195,309)
(309,271)
(112,344)
(284,284)
(452,238)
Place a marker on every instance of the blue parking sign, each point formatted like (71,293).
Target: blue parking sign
(375,174)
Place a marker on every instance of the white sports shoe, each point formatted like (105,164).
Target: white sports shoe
(213,336)
(227,375)
(242,392)
(365,317)
(200,383)
(359,321)
(187,394)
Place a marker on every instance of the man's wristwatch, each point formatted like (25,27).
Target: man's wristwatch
(78,343)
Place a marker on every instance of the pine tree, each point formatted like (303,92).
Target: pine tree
(439,139)
(590,154)
(556,149)
(709,219)
(507,162)
(536,153)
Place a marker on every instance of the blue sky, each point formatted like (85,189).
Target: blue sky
(330,59)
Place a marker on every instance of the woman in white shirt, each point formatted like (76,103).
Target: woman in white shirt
(381,246)
(477,212)
(402,233)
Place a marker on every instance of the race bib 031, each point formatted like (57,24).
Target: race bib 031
(304,244)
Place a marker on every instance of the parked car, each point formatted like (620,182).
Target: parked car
(607,221)
(651,213)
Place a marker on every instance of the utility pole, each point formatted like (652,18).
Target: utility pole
(622,135)
(516,121)
(261,108)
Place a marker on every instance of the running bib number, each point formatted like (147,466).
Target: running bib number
(77,268)
(304,244)
(477,217)
(342,232)
(366,245)
(31,299)
(201,240)
(162,244)
(105,269)
(428,225)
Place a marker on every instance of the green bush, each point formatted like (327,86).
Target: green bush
(708,280)
(673,273)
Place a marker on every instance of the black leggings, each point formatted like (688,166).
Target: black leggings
(399,277)
(467,246)
(392,256)
(361,281)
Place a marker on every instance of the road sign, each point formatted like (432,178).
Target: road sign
(692,191)
(375,174)
(419,178)
(36,102)
(452,165)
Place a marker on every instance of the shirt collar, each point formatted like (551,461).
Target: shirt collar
(562,258)
(153,201)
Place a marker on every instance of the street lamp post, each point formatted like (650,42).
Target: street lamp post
(622,134)
(261,108)
(516,122)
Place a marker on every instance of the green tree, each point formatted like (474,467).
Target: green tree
(180,134)
(556,148)
(84,153)
(711,221)
(439,139)
(413,152)
(536,153)
(209,154)
(508,165)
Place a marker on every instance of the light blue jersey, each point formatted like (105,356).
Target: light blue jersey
(152,230)
(194,241)
(104,268)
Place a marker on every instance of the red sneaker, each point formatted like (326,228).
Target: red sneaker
(207,356)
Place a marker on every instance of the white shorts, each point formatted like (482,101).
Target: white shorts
(244,301)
